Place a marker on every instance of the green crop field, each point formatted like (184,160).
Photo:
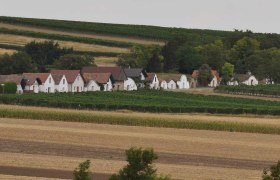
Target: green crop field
(147,101)
(259,90)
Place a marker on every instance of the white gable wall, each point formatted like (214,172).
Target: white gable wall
(130,85)
(78,84)
(163,84)
(48,86)
(251,81)
(171,85)
(183,83)
(214,82)
(92,86)
(108,86)
(155,83)
(62,86)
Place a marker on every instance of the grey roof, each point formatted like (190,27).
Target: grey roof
(134,72)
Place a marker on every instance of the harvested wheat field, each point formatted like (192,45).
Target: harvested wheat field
(7,51)
(52,149)
(82,34)
(22,40)
(105,61)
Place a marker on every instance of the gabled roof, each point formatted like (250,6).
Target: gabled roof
(32,77)
(101,78)
(169,76)
(150,76)
(57,78)
(242,77)
(214,73)
(117,72)
(135,72)
(11,78)
(70,75)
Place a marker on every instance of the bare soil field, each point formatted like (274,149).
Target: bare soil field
(40,148)
(22,40)
(82,34)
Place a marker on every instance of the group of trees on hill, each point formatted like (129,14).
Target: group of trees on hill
(228,56)
(40,56)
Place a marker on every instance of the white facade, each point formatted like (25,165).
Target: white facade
(108,86)
(171,85)
(77,85)
(232,83)
(34,87)
(62,86)
(92,86)
(183,83)
(155,83)
(163,84)
(130,85)
(19,89)
(214,82)
(48,86)
(251,81)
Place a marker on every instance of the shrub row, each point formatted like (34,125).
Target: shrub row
(259,90)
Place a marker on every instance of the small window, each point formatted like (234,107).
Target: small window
(78,78)
(63,81)
(50,80)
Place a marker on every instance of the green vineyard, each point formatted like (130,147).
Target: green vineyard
(147,101)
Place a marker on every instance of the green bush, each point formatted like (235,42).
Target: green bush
(8,88)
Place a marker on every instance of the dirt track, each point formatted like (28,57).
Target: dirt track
(58,147)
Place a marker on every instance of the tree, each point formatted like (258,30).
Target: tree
(45,53)
(148,57)
(82,172)
(241,50)
(189,59)
(73,61)
(273,173)
(205,75)
(139,166)
(16,63)
(227,72)
(214,53)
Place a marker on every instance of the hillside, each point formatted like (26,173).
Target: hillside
(110,40)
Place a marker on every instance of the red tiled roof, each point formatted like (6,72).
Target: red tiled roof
(70,75)
(150,76)
(117,72)
(101,78)
(31,77)
(11,78)
(57,78)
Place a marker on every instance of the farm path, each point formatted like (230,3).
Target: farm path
(58,147)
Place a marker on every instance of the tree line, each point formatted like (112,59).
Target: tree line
(232,55)
(41,57)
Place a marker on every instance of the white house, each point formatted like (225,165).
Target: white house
(45,82)
(130,85)
(17,79)
(247,79)
(61,84)
(98,81)
(171,84)
(183,83)
(31,84)
(153,79)
(74,79)
(163,84)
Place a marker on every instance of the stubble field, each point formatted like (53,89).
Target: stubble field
(52,149)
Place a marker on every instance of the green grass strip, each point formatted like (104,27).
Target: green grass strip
(82,116)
